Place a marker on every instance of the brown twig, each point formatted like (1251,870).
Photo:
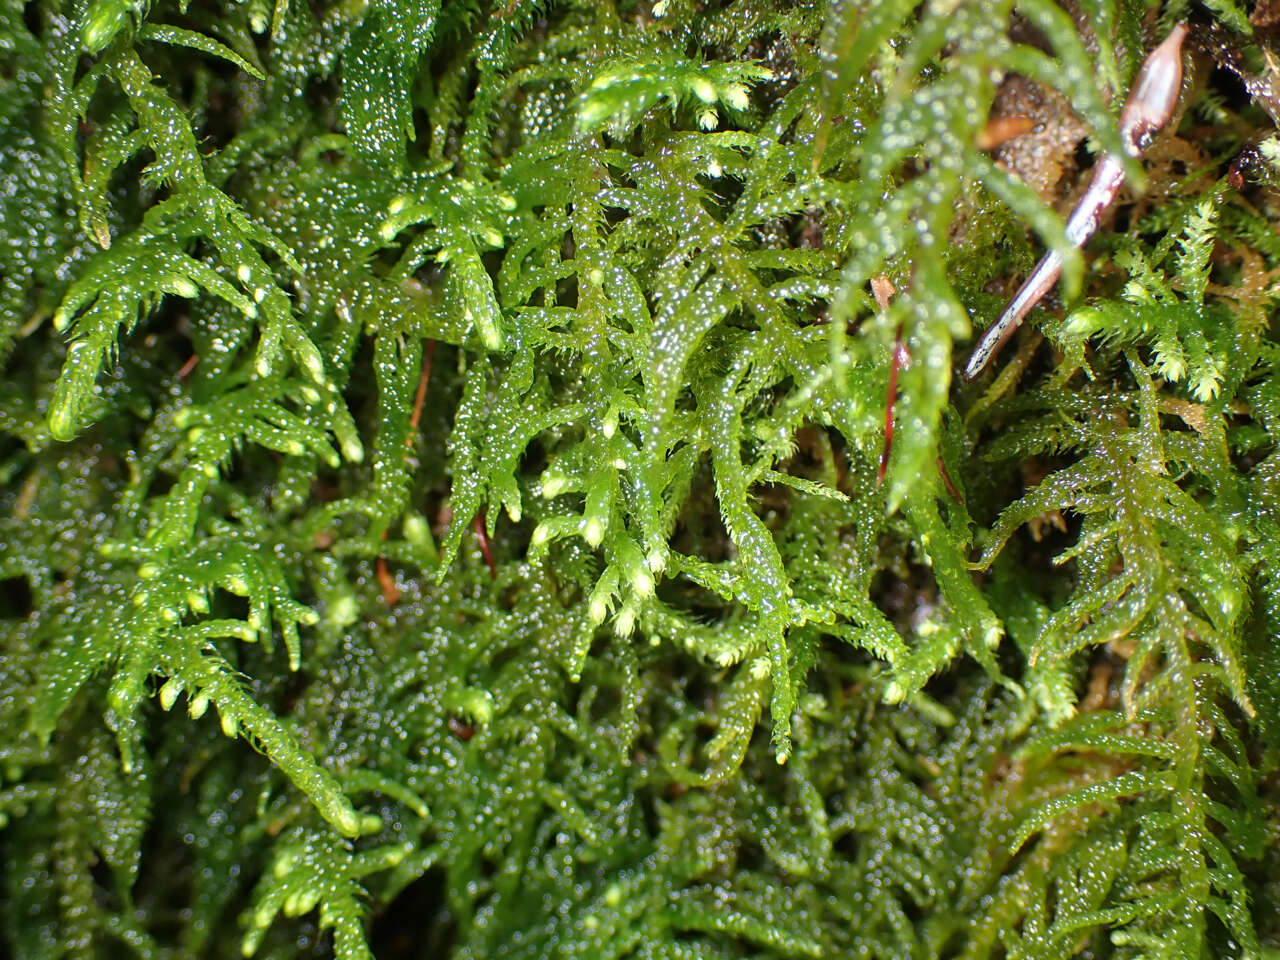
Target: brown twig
(416,417)
(477,525)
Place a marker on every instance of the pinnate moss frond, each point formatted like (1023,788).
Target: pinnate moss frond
(447,505)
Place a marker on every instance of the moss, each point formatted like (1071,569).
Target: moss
(445,507)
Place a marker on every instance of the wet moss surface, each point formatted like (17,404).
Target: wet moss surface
(446,505)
